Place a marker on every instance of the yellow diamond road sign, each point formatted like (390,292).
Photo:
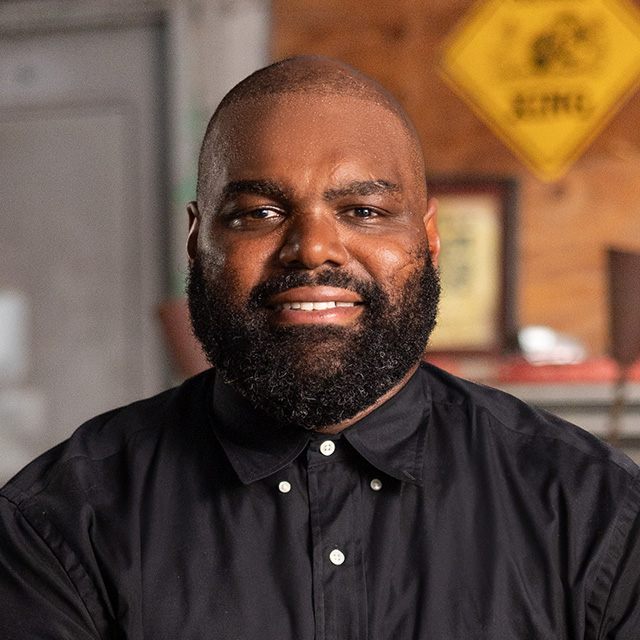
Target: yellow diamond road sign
(546,75)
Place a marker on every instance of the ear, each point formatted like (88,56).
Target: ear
(194,230)
(430,223)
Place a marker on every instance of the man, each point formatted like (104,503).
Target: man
(321,482)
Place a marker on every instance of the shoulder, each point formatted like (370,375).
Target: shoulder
(525,433)
(122,437)
(72,519)
(541,486)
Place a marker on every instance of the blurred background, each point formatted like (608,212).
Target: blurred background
(102,109)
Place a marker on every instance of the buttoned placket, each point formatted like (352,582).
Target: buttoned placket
(339,587)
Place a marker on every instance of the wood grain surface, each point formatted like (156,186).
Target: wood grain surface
(564,226)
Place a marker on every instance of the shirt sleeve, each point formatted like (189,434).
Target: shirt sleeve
(620,600)
(39,600)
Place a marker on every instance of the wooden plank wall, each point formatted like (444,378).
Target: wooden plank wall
(563,226)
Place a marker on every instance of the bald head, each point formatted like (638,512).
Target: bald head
(314,76)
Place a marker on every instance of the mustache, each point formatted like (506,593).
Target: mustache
(262,292)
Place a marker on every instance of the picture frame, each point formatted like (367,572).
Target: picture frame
(478,264)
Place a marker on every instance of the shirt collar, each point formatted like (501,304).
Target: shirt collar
(391,438)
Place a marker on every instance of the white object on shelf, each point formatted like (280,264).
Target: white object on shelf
(542,345)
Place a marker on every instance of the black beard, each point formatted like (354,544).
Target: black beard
(314,376)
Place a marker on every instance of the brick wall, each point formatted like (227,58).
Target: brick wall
(564,226)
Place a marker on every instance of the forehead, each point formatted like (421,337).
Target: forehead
(298,136)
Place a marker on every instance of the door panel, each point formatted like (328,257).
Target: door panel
(81,215)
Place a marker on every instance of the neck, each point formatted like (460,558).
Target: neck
(340,426)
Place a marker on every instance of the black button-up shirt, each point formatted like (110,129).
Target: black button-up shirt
(452,511)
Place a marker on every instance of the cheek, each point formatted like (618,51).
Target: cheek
(234,267)
(392,260)
(391,263)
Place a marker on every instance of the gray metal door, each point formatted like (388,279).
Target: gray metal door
(81,210)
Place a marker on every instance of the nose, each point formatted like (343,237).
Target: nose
(313,240)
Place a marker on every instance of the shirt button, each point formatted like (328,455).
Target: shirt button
(375,484)
(284,487)
(336,557)
(327,447)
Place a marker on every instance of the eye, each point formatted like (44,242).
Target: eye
(263,213)
(364,212)
(253,217)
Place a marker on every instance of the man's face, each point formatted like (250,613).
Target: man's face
(310,255)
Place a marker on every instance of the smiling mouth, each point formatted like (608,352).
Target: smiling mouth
(314,306)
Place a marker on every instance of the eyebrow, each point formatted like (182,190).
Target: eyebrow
(271,189)
(362,188)
(268,188)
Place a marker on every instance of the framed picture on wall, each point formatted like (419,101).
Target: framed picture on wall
(476,221)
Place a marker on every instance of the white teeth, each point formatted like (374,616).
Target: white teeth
(314,306)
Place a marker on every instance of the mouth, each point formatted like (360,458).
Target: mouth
(315,305)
